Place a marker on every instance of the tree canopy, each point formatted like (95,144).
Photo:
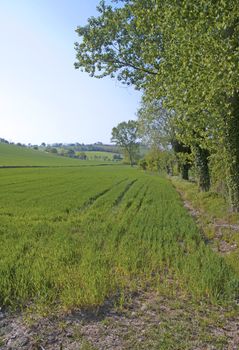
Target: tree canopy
(183,53)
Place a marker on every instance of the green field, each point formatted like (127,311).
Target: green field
(93,155)
(12,155)
(73,237)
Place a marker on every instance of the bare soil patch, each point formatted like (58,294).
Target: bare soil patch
(149,320)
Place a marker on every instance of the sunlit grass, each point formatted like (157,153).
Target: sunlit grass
(74,237)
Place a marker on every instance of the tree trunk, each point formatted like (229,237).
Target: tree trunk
(185,165)
(232,152)
(185,171)
(130,158)
(202,168)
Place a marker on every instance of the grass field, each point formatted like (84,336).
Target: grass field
(12,155)
(73,237)
(92,155)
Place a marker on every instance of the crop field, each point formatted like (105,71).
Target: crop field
(98,155)
(73,237)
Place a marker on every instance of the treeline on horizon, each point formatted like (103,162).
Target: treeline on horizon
(183,56)
(98,146)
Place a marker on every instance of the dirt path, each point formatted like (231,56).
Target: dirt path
(222,230)
(149,321)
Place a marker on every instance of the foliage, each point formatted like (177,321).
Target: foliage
(159,160)
(217,168)
(185,53)
(158,127)
(143,164)
(125,135)
(105,156)
(81,155)
(155,123)
(114,44)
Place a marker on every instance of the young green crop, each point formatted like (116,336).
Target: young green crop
(72,237)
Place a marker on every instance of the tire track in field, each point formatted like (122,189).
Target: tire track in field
(119,199)
(130,210)
(130,202)
(139,199)
(142,199)
(135,197)
(90,201)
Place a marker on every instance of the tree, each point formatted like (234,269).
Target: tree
(129,44)
(199,75)
(201,162)
(70,153)
(157,126)
(114,44)
(159,160)
(117,157)
(155,123)
(82,155)
(185,52)
(125,135)
(52,150)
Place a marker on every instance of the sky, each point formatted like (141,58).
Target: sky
(42,97)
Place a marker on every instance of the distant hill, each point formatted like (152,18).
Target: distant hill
(12,155)
(59,154)
(95,147)
(77,147)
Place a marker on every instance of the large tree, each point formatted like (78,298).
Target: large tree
(125,135)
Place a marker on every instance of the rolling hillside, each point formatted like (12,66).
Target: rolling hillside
(12,155)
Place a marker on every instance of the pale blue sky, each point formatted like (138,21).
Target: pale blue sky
(42,96)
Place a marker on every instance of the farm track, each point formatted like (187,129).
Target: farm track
(139,205)
(148,320)
(134,198)
(119,199)
(94,198)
